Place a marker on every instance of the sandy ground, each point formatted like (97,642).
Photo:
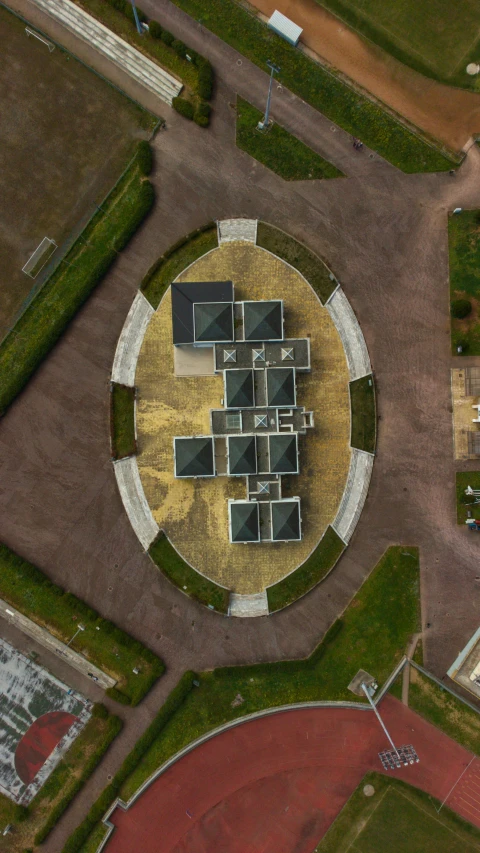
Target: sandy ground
(449,114)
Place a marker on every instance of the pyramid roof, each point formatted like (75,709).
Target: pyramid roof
(239,389)
(263,321)
(244,521)
(286,520)
(242,454)
(194,457)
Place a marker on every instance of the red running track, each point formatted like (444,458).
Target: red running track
(275,784)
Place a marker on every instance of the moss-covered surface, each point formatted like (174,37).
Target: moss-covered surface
(122,421)
(363,414)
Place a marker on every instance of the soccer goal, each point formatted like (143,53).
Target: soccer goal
(41,255)
(50,45)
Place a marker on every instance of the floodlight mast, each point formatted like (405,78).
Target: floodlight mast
(367,694)
(137,19)
(274,69)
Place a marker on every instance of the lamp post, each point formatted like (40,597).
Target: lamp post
(369,697)
(274,69)
(80,628)
(137,19)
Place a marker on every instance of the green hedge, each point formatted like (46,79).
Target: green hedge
(187,579)
(25,587)
(363,414)
(172,704)
(185,108)
(114,726)
(297,255)
(179,256)
(303,579)
(325,91)
(122,421)
(89,259)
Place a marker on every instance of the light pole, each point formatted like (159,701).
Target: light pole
(367,694)
(137,19)
(80,628)
(274,69)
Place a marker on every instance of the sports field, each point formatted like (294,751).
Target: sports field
(399,819)
(65,137)
(437,34)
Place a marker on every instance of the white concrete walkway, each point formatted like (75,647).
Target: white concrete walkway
(130,341)
(350,333)
(134,500)
(126,57)
(230,230)
(354,495)
(248,605)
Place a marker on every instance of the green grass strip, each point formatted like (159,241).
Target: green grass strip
(179,256)
(445,711)
(316,567)
(297,255)
(122,421)
(111,649)
(187,579)
(398,818)
(322,89)
(80,840)
(44,321)
(363,414)
(465,503)
(464,256)
(278,149)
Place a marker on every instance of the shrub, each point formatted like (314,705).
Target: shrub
(116,694)
(145,157)
(100,711)
(461,308)
(205,77)
(203,109)
(131,17)
(167,38)
(179,47)
(185,108)
(155,30)
(202,121)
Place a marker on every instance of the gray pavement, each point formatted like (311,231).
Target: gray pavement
(384,235)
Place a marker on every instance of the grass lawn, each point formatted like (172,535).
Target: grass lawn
(464,502)
(445,711)
(297,255)
(191,582)
(314,84)
(29,590)
(399,819)
(278,149)
(432,37)
(122,421)
(364,416)
(318,565)
(65,137)
(67,289)
(464,256)
(173,262)
(61,786)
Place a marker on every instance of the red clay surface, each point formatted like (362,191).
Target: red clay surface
(39,742)
(274,785)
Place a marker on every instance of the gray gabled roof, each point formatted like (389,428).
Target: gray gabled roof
(281,386)
(286,520)
(244,521)
(263,321)
(213,321)
(194,457)
(283,453)
(239,389)
(242,454)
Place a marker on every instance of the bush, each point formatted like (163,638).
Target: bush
(202,114)
(205,77)
(99,711)
(185,108)
(145,157)
(461,308)
(167,38)
(155,30)
(116,694)
(179,47)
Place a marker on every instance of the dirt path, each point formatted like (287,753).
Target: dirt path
(449,114)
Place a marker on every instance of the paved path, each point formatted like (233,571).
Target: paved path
(278,782)
(384,235)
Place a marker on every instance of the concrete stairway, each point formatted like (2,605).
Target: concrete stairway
(141,69)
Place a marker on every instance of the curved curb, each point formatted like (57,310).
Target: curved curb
(130,341)
(134,500)
(354,495)
(351,335)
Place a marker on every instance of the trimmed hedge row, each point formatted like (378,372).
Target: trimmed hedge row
(200,115)
(173,702)
(87,262)
(178,256)
(363,420)
(122,420)
(25,587)
(189,581)
(114,727)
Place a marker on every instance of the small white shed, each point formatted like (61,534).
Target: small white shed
(284,27)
